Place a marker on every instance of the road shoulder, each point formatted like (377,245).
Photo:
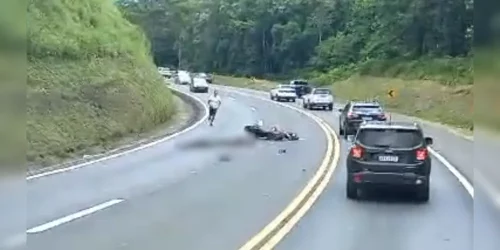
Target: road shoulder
(188,112)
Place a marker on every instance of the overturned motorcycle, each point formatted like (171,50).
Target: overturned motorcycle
(273,135)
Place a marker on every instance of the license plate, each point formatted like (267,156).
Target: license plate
(367,118)
(388,158)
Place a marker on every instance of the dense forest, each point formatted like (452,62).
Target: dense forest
(289,37)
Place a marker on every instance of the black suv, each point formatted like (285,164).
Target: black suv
(301,87)
(354,113)
(389,154)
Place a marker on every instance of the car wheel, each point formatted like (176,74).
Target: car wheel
(341,130)
(293,99)
(304,104)
(351,190)
(423,193)
(330,106)
(271,97)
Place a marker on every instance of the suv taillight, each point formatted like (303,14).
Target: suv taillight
(357,151)
(422,154)
(351,115)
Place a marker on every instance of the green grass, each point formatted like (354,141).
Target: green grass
(487,89)
(91,79)
(249,83)
(446,71)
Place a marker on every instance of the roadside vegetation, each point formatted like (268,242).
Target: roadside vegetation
(361,48)
(91,79)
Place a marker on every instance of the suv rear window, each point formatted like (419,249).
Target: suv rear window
(394,138)
(299,83)
(322,92)
(366,107)
(286,91)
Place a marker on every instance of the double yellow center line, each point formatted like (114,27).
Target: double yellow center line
(272,234)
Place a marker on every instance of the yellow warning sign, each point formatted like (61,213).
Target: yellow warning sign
(391,93)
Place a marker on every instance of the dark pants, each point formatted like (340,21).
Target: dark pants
(211,113)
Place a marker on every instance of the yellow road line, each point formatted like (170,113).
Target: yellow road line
(270,236)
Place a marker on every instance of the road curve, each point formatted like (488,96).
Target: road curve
(165,197)
(451,220)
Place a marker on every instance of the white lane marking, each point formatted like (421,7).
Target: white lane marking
(467,185)
(81,165)
(231,98)
(74,216)
(253,109)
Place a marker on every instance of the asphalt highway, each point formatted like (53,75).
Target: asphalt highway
(170,197)
(452,220)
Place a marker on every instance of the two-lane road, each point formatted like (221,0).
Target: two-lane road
(165,197)
(451,220)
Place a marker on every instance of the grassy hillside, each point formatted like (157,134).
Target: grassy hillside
(90,79)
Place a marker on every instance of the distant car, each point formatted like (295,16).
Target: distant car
(319,97)
(183,77)
(199,85)
(206,76)
(283,93)
(209,77)
(166,72)
(301,87)
(355,112)
(389,154)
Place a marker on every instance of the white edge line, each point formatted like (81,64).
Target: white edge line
(461,178)
(84,164)
(74,216)
(465,183)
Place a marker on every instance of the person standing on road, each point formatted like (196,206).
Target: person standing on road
(214,103)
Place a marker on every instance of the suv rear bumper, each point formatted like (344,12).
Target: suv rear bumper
(388,179)
(394,174)
(286,97)
(201,89)
(320,104)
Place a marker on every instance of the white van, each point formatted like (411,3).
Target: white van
(183,77)
(199,84)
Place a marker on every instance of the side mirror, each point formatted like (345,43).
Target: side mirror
(428,141)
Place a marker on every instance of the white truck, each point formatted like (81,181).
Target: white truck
(183,77)
(199,84)
(319,97)
(283,93)
(165,72)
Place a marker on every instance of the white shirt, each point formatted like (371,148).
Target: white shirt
(214,101)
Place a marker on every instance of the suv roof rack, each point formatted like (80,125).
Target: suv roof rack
(391,124)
